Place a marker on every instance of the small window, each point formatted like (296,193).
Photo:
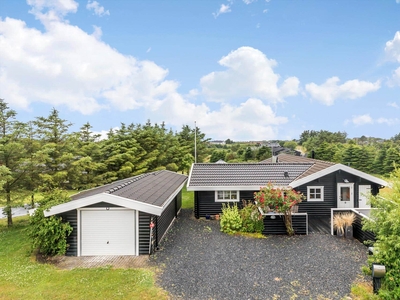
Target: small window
(315,193)
(227,196)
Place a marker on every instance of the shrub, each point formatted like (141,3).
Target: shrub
(252,220)
(230,220)
(49,235)
(385,223)
(281,200)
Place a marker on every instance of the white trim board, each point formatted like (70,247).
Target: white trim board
(108,198)
(335,168)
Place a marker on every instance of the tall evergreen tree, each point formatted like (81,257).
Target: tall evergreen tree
(12,155)
(57,150)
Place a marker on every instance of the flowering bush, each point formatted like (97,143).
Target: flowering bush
(279,200)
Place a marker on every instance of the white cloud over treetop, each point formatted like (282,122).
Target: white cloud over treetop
(330,90)
(249,74)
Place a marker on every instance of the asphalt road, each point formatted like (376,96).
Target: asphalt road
(16,212)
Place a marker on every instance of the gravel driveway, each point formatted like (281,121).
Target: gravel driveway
(200,262)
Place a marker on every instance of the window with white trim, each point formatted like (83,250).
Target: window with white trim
(315,193)
(226,196)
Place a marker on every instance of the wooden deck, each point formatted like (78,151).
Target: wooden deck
(320,225)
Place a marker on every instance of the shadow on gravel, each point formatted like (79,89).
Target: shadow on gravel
(200,262)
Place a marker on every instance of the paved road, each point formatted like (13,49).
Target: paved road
(16,212)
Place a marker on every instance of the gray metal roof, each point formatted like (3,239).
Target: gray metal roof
(244,174)
(152,188)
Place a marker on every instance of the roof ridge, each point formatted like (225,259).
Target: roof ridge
(129,182)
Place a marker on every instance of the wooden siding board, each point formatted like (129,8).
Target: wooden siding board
(318,208)
(165,220)
(205,203)
(277,225)
(72,240)
(144,232)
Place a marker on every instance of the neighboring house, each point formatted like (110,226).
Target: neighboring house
(325,185)
(115,219)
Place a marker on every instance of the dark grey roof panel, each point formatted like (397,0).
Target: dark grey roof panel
(245,174)
(151,188)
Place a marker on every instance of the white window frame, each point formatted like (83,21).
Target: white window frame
(227,196)
(315,199)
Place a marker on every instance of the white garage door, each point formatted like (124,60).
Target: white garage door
(107,232)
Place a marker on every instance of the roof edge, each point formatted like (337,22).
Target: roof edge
(104,197)
(335,168)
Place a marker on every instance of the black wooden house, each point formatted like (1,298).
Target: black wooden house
(125,217)
(325,185)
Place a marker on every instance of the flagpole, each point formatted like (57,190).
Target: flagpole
(195,142)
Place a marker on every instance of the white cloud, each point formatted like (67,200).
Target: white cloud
(367,119)
(362,120)
(222,10)
(389,122)
(249,120)
(265,11)
(52,10)
(393,104)
(97,8)
(392,48)
(249,74)
(249,1)
(148,50)
(330,90)
(65,66)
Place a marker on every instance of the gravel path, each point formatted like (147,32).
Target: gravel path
(200,262)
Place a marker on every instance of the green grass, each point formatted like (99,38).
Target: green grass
(187,198)
(21,277)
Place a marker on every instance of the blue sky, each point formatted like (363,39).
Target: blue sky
(242,69)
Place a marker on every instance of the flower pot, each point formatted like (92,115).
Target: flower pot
(349,232)
(216,217)
(207,217)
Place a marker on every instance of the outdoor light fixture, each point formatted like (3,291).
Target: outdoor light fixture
(345,181)
(273,217)
(378,272)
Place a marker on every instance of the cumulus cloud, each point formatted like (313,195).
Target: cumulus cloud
(97,8)
(249,74)
(249,120)
(393,104)
(65,66)
(330,90)
(249,1)
(222,10)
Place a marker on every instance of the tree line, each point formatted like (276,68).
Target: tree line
(367,154)
(43,155)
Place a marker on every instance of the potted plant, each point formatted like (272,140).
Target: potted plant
(348,220)
(338,225)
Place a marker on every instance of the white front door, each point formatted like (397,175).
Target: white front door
(345,195)
(364,191)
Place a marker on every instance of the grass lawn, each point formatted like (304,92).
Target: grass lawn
(187,198)
(21,277)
